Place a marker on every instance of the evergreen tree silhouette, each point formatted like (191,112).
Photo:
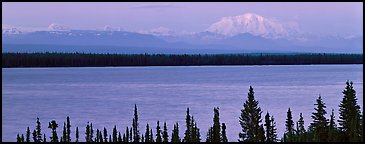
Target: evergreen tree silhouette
(250,119)
(53,126)
(165,135)
(77,134)
(289,123)
(136,136)
(224,134)
(158,132)
(350,116)
(320,122)
(187,137)
(27,139)
(38,130)
(175,133)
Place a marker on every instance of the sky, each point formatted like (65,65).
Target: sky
(329,18)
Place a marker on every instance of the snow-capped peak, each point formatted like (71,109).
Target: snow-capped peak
(8,29)
(253,24)
(161,31)
(58,27)
(109,28)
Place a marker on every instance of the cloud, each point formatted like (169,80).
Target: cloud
(157,5)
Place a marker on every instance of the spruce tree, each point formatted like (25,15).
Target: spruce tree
(261,134)
(250,119)
(274,136)
(130,134)
(158,132)
(195,134)
(119,137)
(53,125)
(224,134)
(18,138)
(100,136)
(106,135)
(165,135)
(91,132)
(136,136)
(77,134)
(147,134)
(88,133)
(320,122)
(289,123)
(350,116)
(110,138)
(38,130)
(64,133)
(209,135)
(97,136)
(124,138)
(68,129)
(115,138)
(301,133)
(35,136)
(175,133)
(216,126)
(151,136)
(27,139)
(332,128)
(187,137)
(142,139)
(270,128)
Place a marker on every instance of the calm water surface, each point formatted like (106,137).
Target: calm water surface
(106,95)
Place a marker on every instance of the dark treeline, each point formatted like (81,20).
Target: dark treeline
(255,128)
(96,60)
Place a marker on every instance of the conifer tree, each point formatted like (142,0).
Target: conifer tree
(88,133)
(64,133)
(224,134)
(115,138)
(106,135)
(332,128)
(91,132)
(261,134)
(158,132)
(250,119)
(165,135)
(147,134)
(209,135)
(136,136)
(350,116)
(35,136)
(124,138)
(53,125)
(301,133)
(320,122)
(18,138)
(38,130)
(27,139)
(289,123)
(142,139)
(175,133)
(119,137)
(100,136)
(187,137)
(127,134)
(270,128)
(22,138)
(130,135)
(97,136)
(110,138)
(68,129)
(216,126)
(151,135)
(77,134)
(195,134)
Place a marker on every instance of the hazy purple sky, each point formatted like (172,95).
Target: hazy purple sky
(321,18)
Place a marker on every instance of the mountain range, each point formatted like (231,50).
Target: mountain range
(236,34)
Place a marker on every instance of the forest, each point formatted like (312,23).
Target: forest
(10,60)
(255,126)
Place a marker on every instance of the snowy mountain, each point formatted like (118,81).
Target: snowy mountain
(254,24)
(7,29)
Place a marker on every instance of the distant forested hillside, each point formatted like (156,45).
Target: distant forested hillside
(98,60)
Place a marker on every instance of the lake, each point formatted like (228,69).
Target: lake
(106,95)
